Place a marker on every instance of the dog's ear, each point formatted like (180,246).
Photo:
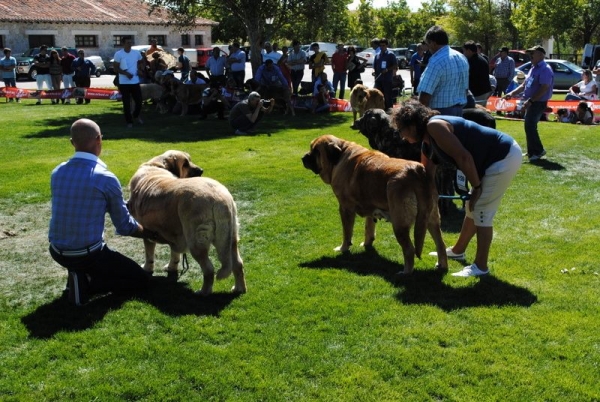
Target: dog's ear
(171,163)
(334,152)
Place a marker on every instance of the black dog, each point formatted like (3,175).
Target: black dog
(376,125)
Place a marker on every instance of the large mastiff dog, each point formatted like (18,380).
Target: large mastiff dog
(190,213)
(363,98)
(372,185)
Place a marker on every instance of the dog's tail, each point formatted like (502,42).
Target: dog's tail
(424,205)
(227,238)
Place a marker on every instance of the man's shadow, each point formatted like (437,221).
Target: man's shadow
(426,286)
(171,298)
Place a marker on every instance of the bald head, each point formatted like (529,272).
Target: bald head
(86,136)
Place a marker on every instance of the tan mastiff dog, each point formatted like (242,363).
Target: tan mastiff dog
(191,213)
(372,185)
(363,98)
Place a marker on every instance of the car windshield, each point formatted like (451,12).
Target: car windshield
(572,66)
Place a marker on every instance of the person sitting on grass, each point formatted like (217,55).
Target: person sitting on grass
(585,89)
(584,113)
(246,114)
(323,91)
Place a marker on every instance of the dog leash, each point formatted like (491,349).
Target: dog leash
(185,265)
(455,197)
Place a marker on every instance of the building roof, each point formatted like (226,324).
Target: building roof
(85,11)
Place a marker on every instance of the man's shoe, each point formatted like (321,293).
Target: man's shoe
(240,132)
(78,285)
(452,255)
(39,102)
(470,270)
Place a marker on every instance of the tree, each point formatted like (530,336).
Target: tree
(477,20)
(393,22)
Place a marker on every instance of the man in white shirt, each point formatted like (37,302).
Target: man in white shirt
(237,65)
(125,64)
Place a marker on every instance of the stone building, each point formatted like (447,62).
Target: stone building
(98,26)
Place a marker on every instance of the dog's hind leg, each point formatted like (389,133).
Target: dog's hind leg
(226,243)
(149,247)
(370,223)
(200,254)
(173,265)
(402,234)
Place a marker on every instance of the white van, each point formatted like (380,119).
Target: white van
(191,54)
(591,54)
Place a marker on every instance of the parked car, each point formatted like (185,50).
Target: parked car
(519,56)
(566,74)
(402,56)
(202,56)
(368,54)
(25,67)
(100,67)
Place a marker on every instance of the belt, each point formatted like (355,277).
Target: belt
(81,252)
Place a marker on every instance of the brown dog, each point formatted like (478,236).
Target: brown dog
(363,98)
(372,185)
(190,213)
(279,93)
(186,94)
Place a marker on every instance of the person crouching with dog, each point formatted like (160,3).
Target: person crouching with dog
(246,114)
(213,101)
(83,190)
(488,158)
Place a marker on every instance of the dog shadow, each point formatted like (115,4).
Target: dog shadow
(426,287)
(171,298)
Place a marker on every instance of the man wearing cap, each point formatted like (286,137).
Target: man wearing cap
(504,71)
(339,60)
(537,89)
(215,67)
(445,81)
(317,61)
(246,114)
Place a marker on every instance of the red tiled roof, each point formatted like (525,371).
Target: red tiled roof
(85,11)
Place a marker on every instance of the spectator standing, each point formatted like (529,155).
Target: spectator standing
(126,64)
(245,115)
(269,53)
(41,61)
(356,65)
(385,66)
(83,191)
(426,56)
(415,68)
(317,61)
(339,64)
(479,77)
(153,47)
(444,83)
(237,65)
(537,87)
(8,66)
(66,62)
(480,52)
(284,66)
(375,45)
(215,67)
(183,62)
(504,71)
(83,73)
(296,61)
(55,72)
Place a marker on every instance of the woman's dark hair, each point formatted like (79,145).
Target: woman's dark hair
(413,113)
(351,49)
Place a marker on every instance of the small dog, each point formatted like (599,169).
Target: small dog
(363,98)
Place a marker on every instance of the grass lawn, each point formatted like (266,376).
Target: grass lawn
(315,325)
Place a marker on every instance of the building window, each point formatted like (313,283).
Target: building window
(185,40)
(161,40)
(198,40)
(86,41)
(39,40)
(118,40)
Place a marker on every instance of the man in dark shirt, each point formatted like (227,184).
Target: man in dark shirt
(385,66)
(41,61)
(479,78)
(66,63)
(83,73)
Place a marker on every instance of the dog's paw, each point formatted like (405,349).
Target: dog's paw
(342,249)
(172,276)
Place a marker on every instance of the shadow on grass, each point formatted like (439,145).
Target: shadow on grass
(173,128)
(548,165)
(173,299)
(426,286)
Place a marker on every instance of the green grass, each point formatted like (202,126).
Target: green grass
(314,325)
